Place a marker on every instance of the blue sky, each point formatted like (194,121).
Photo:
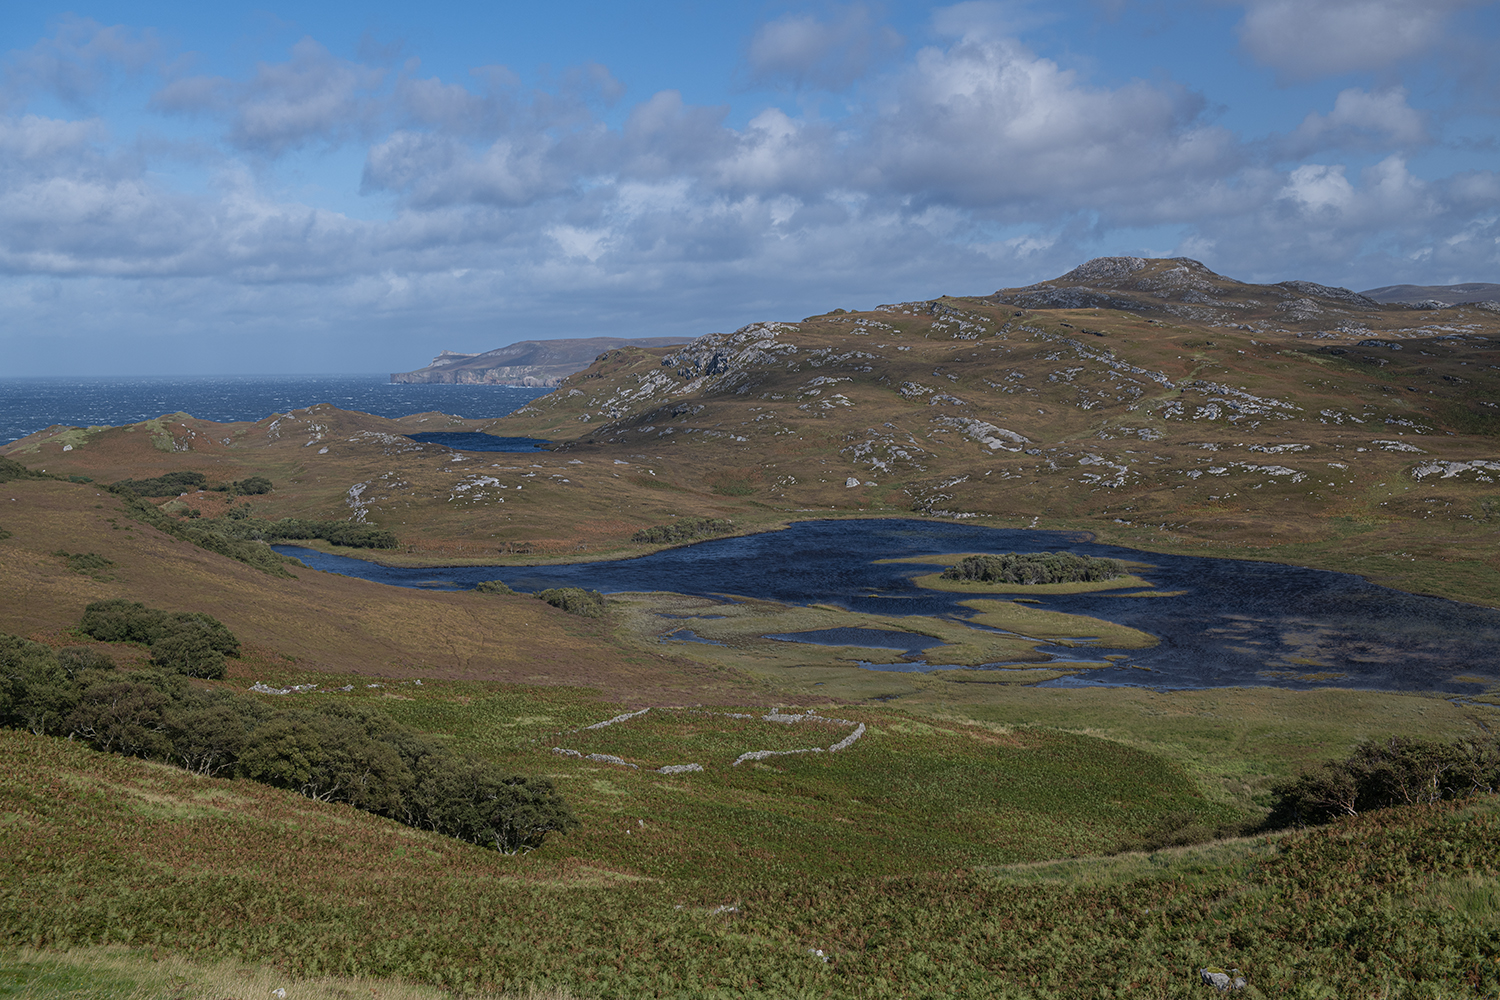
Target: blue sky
(221,188)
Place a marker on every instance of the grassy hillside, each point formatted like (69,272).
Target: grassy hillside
(109,850)
(313,623)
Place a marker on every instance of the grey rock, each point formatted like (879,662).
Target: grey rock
(1221,980)
(1105,269)
(1331,292)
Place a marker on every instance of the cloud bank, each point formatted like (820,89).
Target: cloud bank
(498,211)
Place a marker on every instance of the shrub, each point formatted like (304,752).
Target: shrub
(171,484)
(124,716)
(119,620)
(74,660)
(574,600)
(35,692)
(1401,770)
(1034,568)
(11,469)
(493,587)
(251,486)
(188,643)
(251,553)
(190,651)
(84,562)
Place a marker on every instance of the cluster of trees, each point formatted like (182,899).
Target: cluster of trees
(573,600)
(184,481)
(206,536)
(336,752)
(685,530)
(184,642)
(1379,774)
(11,469)
(240,525)
(1034,568)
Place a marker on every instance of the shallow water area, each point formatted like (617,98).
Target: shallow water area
(863,638)
(1221,622)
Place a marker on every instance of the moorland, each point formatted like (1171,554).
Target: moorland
(982,836)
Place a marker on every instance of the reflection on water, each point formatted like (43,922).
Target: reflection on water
(1227,622)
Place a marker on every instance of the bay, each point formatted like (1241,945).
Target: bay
(28,405)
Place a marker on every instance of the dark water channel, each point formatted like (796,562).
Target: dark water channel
(1237,622)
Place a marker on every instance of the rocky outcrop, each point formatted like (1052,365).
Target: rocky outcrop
(541,363)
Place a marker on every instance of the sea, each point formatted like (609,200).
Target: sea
(28,405)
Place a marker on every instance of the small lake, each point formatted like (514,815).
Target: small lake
(478,441)
(1236,622)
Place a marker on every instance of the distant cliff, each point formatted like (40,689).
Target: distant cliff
(1431,296)
(541,363)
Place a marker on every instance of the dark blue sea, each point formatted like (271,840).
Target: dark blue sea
(28,405)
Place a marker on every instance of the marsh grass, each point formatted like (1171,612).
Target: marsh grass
(1059,625)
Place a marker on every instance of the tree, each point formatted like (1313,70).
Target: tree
(123,716)
(190,650)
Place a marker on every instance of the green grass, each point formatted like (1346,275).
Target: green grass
(1393,904)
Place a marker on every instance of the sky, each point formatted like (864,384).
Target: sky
(220,188)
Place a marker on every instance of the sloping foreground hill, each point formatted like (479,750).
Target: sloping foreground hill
(312,622)
(97,849)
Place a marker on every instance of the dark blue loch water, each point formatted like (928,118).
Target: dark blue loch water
(1237,623)
(474,441)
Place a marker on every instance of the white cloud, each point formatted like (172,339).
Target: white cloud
(989,125)
(966,166)
(1362,118)
(312,98)
(805,51)
(77,62)
(1307,39)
